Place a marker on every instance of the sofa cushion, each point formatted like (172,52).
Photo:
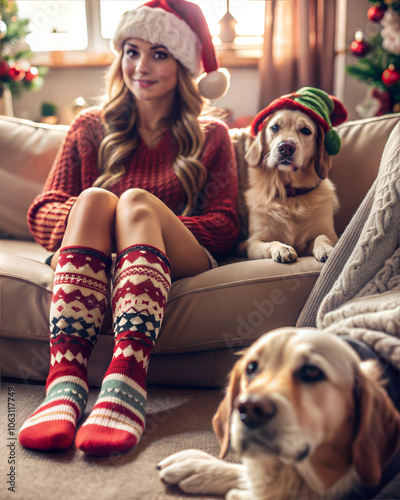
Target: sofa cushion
(30,151)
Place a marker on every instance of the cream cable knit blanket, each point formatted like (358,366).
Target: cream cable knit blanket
(358,291)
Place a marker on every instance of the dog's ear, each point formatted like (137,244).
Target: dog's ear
(222,418)
(378,434)
(258,149)
(323,161)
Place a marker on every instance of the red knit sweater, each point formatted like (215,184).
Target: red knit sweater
(75,169)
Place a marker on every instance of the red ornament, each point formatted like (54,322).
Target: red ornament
(359,47)
(385,101)
(391,76)
(31,74)
(4,68)
(376,13)
(16,73)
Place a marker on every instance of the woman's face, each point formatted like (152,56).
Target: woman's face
(149,71)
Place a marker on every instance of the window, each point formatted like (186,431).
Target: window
(249,15)
(87,26)
(55,25)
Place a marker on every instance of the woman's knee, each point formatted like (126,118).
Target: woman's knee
(91,221)
(94,204)
(139,220)
(137,205)
(97,200)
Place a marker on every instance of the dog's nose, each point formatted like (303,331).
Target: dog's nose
(255,411)
(286,149)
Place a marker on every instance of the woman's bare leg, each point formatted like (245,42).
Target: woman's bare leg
(80,292)
(149,236)
(143,218)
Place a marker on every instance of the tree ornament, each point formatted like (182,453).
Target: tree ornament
(376,13)
(396,107)
(384,100)
(391,76)
(16,73)
(31,74)
(3,29)
(376,103)
(390,32)
(359,46)
(4,68)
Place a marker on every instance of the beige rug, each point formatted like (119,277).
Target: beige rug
(177,419)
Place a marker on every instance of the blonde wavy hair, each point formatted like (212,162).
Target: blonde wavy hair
(121,138)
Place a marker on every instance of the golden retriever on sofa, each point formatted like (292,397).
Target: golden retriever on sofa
(307,417)
(290,201)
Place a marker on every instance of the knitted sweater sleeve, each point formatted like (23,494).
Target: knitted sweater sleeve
(216,224)
(74,169)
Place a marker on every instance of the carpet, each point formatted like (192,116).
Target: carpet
(177,419)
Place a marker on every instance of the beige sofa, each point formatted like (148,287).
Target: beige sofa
(209,317)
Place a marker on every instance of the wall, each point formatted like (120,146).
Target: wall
(64,85)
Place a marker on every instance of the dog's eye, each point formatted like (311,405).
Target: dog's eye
(275,128)
(310,373)
(251,368)
(305,131)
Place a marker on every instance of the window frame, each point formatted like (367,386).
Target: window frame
(98,53)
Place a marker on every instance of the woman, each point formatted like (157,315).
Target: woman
(144,177)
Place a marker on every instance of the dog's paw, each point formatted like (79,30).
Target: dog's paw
(194,471)
(284,254)
(322,253)
(238,495)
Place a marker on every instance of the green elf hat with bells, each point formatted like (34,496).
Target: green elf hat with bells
(326,110)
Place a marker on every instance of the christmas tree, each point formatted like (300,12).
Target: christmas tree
(378,61)
(16,74)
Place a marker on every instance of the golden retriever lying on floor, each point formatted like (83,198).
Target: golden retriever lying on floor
(308,419)
(291,202)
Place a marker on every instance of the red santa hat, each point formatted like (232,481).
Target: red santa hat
(181,28)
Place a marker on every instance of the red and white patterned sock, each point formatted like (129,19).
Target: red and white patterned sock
(141,287)
(79,301)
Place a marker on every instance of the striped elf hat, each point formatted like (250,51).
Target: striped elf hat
(326,110)
(181,28)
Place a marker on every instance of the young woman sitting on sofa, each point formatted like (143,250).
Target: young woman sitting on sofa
(145,177)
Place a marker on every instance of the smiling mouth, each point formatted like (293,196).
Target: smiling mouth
(144,83)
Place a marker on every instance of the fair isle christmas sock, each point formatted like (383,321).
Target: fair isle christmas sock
(141,287)
(77,311)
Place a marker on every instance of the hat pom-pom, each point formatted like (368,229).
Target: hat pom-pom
(215,84)
(332,142)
